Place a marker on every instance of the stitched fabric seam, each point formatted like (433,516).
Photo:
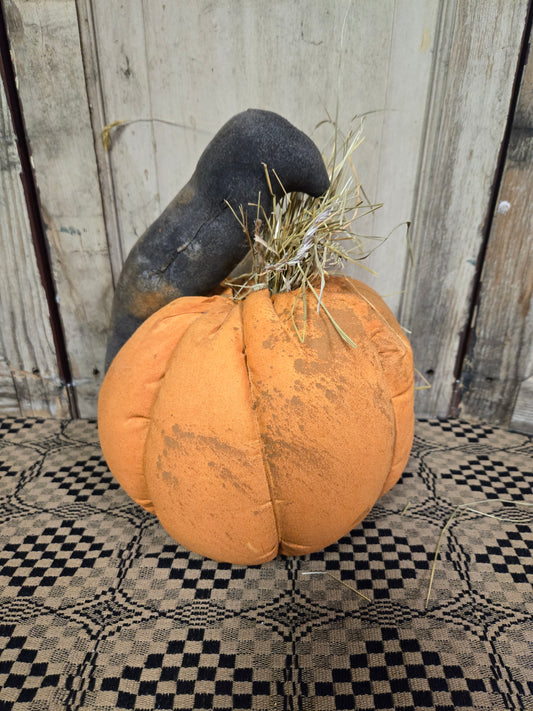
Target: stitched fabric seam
(266,465)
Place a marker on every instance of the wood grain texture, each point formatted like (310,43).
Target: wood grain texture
(500,359)
(29,380)
(45,44)
(125,84)
(9,404)
(408,70)
(95,98)
(197,64)
(522,418)
(476,59)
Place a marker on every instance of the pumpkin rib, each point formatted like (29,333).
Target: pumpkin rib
(340,297)
(266,463)
(118,408)
(203,459)
(402,400)
(319,495)
(158,382)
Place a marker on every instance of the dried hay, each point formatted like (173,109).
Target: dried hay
(306,239)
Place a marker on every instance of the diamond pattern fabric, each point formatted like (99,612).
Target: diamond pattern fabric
(101,609)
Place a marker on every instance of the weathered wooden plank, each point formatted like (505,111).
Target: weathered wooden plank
(476,58)
(522,419)
(29,380)
(252,58)
(197,64)
(97,112)
(9,404)
(125,82)
(45,43)
(408,71)
(499,362)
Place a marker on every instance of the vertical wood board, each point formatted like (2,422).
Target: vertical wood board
(500,357)
(29,380)
(123,74)
(414,28)
(477,56)
(522,418)
(45,43)
(95,98)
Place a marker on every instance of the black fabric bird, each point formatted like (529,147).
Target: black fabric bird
(197,241)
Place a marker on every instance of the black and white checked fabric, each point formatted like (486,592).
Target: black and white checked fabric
(100,609)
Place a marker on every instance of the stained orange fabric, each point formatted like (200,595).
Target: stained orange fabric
(247,442)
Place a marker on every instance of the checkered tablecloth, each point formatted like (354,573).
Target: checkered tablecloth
(100,609)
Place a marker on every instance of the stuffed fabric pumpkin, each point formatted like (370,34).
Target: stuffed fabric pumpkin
(248,443)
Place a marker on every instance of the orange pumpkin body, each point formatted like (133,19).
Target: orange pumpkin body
(244,441)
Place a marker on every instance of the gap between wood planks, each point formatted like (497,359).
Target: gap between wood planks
(34,214)
(469,330)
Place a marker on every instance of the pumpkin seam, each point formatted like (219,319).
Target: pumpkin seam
(160,381)
(266,465)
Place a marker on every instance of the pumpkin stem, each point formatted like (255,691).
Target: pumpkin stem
(305,238)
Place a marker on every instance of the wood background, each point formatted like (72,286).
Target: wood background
(445,88)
